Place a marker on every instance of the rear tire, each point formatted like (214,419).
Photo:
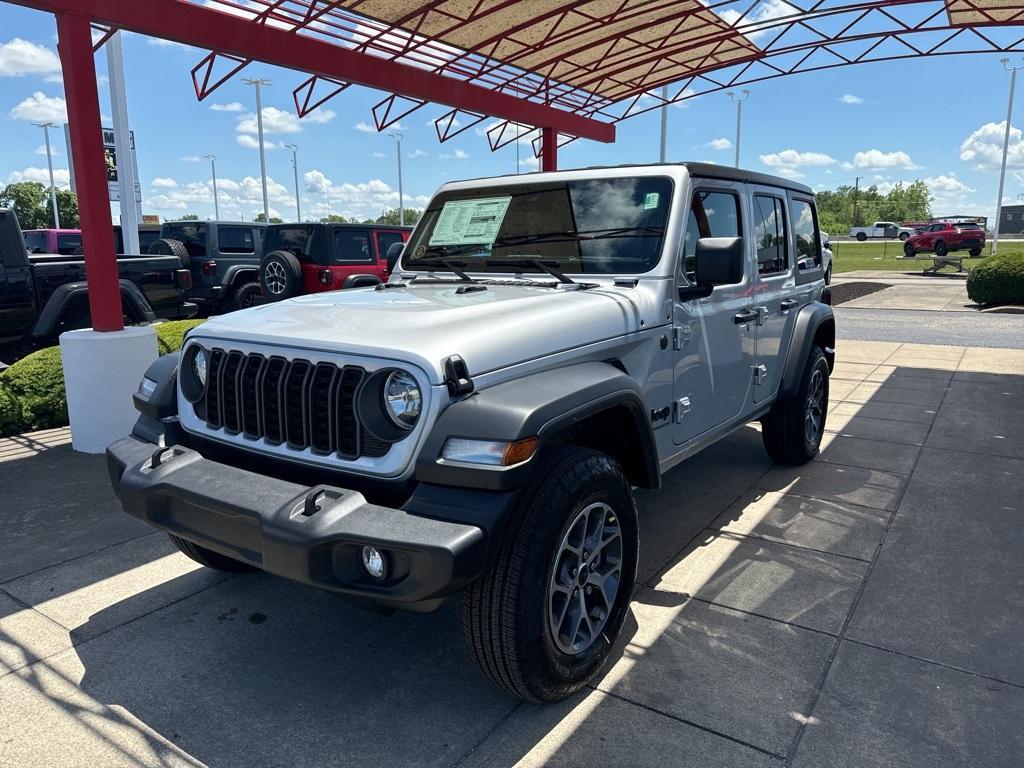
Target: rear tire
(542,622)
(941,249)
(908,251)
(793,428)
(904,236)
(828,275)
(169,247)
(280,275)
(208,557)
(243,296)
(975,252)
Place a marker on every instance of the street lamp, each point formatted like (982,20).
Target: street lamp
(49,162)
(397,136)
(739,112)
(259,82)
(295,166)
(213,170)
(1006,145)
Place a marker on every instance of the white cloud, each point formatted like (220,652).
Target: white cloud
(20,57)
(378,155)
(234,106)
(529,163)
(359,199)
(847,98)
(457,154)
(790,160)
(246,141)
(947,184)
(159,42)
(54,150)
(983,149)
(40,108)
(164,183)
(274,121)
(761,20)
(874,159)
(789,173)
(719,144)
(364,127)
(239,199)
(61,176)
(191,159)
(417,153)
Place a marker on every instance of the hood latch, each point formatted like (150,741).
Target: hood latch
(456,376)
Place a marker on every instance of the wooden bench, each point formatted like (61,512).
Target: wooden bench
(949,260)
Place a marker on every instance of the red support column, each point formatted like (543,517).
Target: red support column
(548,149)
(74,44)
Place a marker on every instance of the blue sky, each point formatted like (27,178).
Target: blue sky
(938,119)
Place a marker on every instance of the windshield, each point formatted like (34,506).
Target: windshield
(589,226)
(192,235)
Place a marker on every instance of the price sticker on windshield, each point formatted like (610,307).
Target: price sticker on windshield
(651,201)
(470,222)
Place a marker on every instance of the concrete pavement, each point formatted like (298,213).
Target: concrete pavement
(863,610)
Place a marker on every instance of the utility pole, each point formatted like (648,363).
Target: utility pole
(397,136)
(259,82)
(1006,145)
(744,94)
(127,174)
(295,167)
(856,191)
(49,162)
(664,123)
(213,171)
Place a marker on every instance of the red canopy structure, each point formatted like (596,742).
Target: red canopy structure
(570,69)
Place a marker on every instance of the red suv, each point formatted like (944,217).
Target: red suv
(310,258)
(943,237)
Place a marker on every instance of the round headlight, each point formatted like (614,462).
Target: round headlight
(402,399)
(199,363)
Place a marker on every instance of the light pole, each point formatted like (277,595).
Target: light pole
(739,113)
(295,167)
(259,82)
(1006,145)
(397,136)
(664,123)
(49,162)
(213,171)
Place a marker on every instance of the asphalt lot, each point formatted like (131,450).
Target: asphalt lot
(931,327)
(864,610)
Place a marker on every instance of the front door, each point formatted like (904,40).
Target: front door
(714,346)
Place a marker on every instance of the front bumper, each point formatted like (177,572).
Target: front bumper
(313,535)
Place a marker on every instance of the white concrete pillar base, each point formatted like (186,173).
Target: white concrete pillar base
(101,371)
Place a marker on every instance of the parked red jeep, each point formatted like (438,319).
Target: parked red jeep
(310,258)
(943,237)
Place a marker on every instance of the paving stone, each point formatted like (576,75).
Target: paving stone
(996,428)
(917,361)
(948,583)
(744,676)
(786,583)
(945,352)
(879,710)
(870,454)
(602,730)
(821,480)
(920,414)
(25,637)
(838,389)
(852,371)
(884,393)
(876,429)
(884,372)
(1002,361)
(837,527)
(865,351)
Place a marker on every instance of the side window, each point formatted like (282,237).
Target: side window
(35,242)
(68,244)
(712,214)
(770,236)
(351,246)
(235,240)
(805,235)
(385,240)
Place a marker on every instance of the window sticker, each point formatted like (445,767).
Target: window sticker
(651,200)
(465,222)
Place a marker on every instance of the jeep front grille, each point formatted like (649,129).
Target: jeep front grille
(292,402)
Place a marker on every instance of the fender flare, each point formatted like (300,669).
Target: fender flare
(361,281)
(242,273)
(814,321)
(545,405)
(132,299)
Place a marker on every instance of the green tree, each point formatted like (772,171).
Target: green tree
(391,216)
(335,218)
(189,217)
(273,219)
(67,206)
(31,202)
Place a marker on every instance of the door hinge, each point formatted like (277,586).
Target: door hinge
(681,406)
(760,374)
(762,315)
(680,336)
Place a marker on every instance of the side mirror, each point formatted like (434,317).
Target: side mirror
(394,254)
(719,261)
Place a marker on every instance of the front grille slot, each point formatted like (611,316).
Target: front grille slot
(298,403)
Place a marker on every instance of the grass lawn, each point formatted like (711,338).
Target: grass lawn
(848,257)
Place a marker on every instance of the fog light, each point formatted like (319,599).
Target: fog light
(374,563)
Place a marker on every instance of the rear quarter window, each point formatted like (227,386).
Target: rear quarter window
(235,240)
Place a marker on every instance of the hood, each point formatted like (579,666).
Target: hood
(424,324)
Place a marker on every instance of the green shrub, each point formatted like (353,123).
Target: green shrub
(998,280)
(11,419)
(36,382)
(171,335)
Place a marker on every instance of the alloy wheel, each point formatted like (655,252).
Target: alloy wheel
(275,277)
(815,412)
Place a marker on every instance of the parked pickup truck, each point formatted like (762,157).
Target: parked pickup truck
(942,237)
(889,230)
(43,295)
(477,424)
(224,257)
(68,242)
(311,258)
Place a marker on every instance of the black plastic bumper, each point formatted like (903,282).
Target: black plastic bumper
(312,535)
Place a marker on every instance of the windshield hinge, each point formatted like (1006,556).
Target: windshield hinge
(456,376)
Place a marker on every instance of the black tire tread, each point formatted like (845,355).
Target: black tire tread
(209,558)
(782,428)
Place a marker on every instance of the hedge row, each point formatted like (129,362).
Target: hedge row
(998,280)
(32,390)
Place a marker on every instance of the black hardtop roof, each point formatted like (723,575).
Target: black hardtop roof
(219,222)
(714,171)
(336,224)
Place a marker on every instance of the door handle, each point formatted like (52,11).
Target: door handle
(789,304)
(744,316)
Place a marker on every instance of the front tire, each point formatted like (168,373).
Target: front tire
(542,622)
(209,558)
(861,237)
(904,236)
(908,251)
(243,296)
(793,428)
(975,252)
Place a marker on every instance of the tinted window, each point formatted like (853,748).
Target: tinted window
(295,240)
(351,245)
(805,235)
(235,240)
(192,235)
(770,235)
(969,226)
(146,238)
(385,240)
(68,244)
(712,214)
(35,242)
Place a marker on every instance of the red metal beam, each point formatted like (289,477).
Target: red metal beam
(74,44)
(203,27)
(548,149)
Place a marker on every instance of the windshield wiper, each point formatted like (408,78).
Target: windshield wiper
(455,267)
(570,235)
(541,266)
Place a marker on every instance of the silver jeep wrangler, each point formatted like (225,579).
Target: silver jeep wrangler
(477,424)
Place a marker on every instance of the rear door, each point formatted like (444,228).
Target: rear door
(351,253)
(383,240)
